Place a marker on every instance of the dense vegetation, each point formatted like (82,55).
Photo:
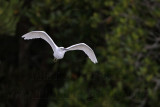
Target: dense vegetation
(125,35)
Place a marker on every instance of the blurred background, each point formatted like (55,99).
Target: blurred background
(125,36)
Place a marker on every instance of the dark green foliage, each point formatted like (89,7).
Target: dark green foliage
(9,15)
(124,35)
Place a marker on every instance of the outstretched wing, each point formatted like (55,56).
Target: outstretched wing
(86,49)
(42,35)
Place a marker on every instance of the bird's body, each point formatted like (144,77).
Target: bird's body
(60,51)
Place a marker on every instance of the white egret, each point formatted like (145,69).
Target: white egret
(60,51)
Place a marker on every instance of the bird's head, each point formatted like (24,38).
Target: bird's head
(61,47)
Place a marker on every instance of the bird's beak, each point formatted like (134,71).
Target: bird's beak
(55,60)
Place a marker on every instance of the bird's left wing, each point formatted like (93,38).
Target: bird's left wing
(86,49)
(42,35)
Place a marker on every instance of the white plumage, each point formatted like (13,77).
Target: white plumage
(60,51)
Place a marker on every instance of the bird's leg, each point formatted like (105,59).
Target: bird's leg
(55,60)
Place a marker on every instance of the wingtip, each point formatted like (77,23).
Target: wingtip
(22,36)
(96,62)
(25,35)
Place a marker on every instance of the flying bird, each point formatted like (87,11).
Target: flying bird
(58,52)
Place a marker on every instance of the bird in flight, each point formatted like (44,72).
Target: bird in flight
(60,51)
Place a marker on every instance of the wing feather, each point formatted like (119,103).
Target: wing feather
(86,49)
(40,34)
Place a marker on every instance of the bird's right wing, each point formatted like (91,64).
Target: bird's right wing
(42,35)
(86,49)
